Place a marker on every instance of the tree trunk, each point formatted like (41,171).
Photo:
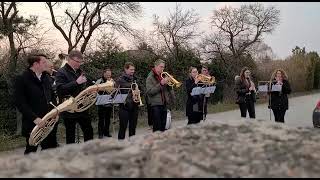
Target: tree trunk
(11,74)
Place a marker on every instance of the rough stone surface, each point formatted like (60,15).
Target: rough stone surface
(233,148)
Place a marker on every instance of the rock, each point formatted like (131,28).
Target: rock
(229,148)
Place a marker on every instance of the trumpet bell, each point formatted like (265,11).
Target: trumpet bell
(172,81)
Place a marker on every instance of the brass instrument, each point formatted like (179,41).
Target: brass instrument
(39,134)
(136,94)
(82,102)
(172,82)
(87,97)
(207,80)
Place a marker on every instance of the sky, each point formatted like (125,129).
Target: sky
(299,22)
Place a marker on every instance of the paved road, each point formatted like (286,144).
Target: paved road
(298,115)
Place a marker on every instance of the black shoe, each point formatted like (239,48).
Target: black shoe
(100,136)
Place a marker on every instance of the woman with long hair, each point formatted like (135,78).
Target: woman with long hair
(245,90)
(279,100)
(194,103)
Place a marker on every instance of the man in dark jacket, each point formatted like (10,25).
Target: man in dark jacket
(128,112)
(70,81)
(33,94)
(160,95)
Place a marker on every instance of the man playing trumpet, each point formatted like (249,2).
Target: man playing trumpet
(160,95)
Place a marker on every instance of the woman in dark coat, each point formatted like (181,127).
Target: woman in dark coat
(279,99)
(245,90)
(194,103)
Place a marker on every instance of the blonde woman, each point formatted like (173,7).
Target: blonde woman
(279,99)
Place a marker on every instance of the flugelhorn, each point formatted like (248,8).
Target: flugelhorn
(172,82)
(208,80)
(136,94)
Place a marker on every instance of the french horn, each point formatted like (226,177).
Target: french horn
(86,98)
(82,102)
(172,81)
(39,134)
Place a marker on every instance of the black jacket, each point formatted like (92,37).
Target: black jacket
(125,81)
(242,92)
(196,100)
(67,86)
(279,100)
(32,98)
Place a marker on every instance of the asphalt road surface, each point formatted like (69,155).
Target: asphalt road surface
(298,115)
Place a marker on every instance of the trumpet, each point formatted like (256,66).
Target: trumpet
(207,80)
(136,94)
(172,82)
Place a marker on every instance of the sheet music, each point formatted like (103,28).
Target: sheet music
(209,90)
(103,99)
(196,91)
(120,98)
(276,87)
(201,90)
(263,88)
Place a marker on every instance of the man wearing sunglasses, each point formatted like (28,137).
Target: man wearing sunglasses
(70,81)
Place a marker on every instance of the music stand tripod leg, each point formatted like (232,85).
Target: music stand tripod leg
(77,133)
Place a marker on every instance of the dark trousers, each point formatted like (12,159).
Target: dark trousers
(85,125)
(149,109)
(127,116)
(247,106)
(195,117)
(49,142)
(104,114)
(279,115)
(159,117)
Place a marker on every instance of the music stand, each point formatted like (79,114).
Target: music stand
(204,90)
(264,86)
(116,100)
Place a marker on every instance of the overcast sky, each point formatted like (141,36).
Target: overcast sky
(299,21)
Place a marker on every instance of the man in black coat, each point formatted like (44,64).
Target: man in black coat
(33,94)
(70,81)
(128,112)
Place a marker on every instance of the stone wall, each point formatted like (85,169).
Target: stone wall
(233,148)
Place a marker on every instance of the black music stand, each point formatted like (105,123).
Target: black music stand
(265,87)
(204,90)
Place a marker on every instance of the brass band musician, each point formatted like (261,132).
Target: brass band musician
(70,81)
(128,112)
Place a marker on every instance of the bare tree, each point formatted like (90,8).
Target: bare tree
(12,24)
(178,29)
(78,27)
(261,52)
(239,29)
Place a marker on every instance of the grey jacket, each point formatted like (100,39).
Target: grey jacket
(155,91)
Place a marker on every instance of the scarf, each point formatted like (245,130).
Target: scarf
(159,78)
